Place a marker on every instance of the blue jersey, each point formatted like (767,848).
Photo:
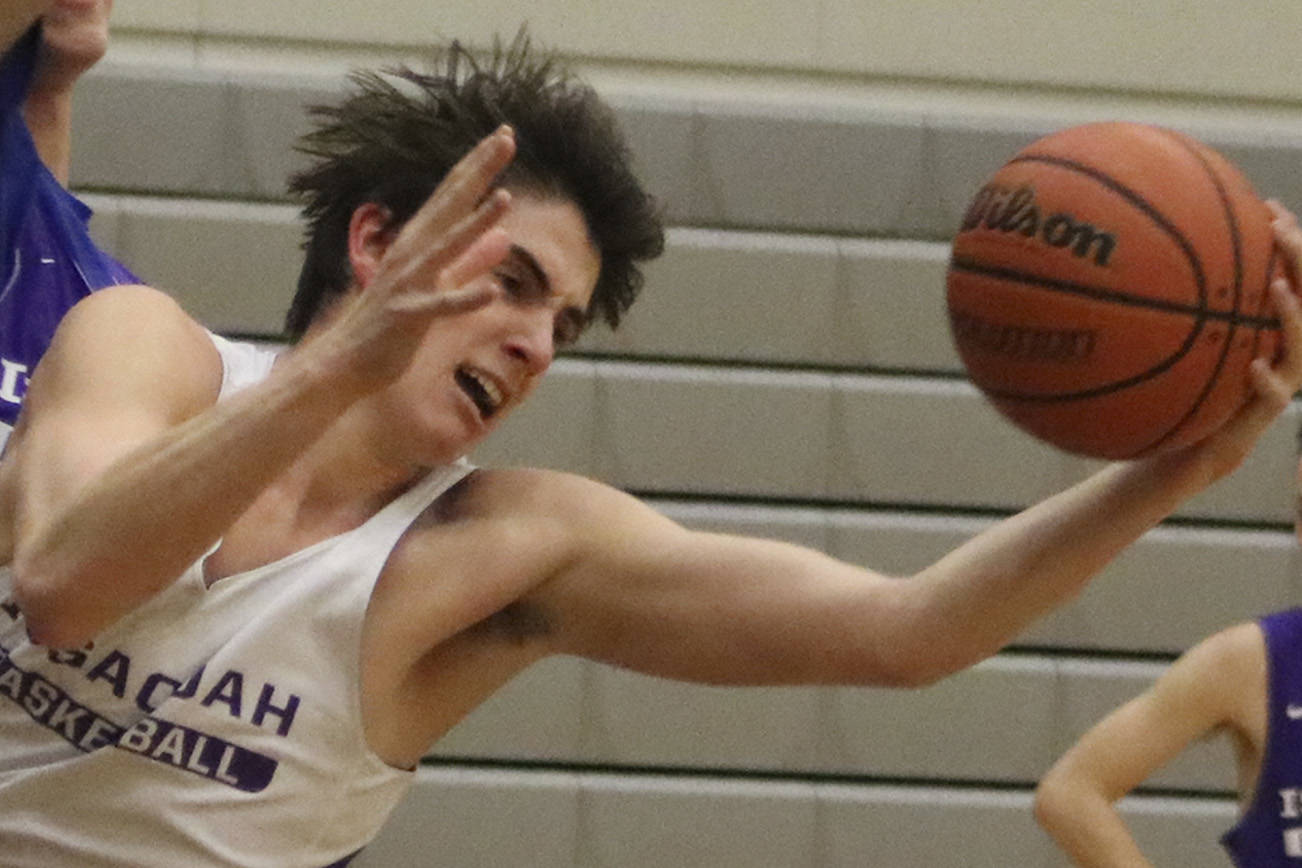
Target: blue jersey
(47,259)
(1270,831)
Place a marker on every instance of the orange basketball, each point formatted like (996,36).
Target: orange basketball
(1107,289)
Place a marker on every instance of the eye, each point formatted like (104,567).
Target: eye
(518,285)
(570,325)
(510,284)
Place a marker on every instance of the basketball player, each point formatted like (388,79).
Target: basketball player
(47,260)
(1244,682)
(246,592)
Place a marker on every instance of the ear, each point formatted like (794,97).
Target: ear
(369,236)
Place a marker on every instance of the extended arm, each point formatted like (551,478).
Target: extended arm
(649,595)
(1218,684)
(646,594)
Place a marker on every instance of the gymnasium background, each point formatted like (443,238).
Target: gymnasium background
(788,373)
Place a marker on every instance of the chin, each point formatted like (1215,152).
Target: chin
(442,446)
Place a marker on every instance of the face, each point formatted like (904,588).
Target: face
(474,368)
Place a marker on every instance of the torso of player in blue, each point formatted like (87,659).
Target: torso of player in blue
(47,259)
(1270,831)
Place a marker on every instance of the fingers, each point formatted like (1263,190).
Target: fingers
(465,187)
(1273,383)
(1288,238)
(485,252)
(1288,366)
(1283,291)
(459,212)
(458,290)
(449,265)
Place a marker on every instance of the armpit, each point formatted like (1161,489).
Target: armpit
(518,623)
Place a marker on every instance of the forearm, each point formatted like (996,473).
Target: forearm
(82,563)
(990,589)
(1087,827)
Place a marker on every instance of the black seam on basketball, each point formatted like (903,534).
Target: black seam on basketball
(1134,199)
(966,264)
(1236,246)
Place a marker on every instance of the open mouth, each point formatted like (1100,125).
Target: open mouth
(481,389)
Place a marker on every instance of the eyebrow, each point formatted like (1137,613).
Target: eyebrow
(530,262)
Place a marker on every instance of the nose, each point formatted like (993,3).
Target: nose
(533,342)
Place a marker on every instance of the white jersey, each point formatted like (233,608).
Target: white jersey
(214,725)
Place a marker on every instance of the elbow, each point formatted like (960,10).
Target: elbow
(920,674)
(49,620)
(912,661)
(901,674)
(908,668)
(1052,805)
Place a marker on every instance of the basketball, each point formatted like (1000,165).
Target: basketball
(1107,289)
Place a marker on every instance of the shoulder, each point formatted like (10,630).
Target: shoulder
(129,311)
(1223,676)
(539,522)
(1235,649)
(484,547)
(128,338)
(566,502)
(134,320)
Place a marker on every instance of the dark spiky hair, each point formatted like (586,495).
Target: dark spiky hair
(393,139)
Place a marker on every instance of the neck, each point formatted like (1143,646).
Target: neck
(343,479)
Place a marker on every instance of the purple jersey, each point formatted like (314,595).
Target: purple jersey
(1270,831)
(47,259)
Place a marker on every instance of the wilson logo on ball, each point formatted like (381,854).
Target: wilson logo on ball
(1015,210)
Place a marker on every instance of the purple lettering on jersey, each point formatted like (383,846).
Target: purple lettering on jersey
(193,751)
(49,706)
(152,738)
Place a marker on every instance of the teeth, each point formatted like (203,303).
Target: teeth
(488,385)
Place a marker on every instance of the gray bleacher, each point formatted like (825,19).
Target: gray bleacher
(788,373)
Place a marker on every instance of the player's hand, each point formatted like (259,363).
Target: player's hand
(1274,381)
(429,270)
(74,36)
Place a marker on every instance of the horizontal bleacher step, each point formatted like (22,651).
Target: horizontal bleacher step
(849,167)
(841,437)
(1005,720)
(756,298)
(493,818)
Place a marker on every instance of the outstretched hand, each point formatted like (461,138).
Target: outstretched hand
(428,270)
(1274,381)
